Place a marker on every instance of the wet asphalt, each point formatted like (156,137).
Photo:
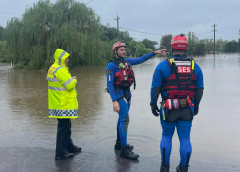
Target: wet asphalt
(42,160)
(28,136)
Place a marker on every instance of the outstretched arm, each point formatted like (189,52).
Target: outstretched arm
(145,57)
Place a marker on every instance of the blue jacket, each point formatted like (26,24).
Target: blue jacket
(112,68)
(163,71)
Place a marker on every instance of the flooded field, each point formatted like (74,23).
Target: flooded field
(215,133)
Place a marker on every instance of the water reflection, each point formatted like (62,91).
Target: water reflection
(123,164)
(25,122)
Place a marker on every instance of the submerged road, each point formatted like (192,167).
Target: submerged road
(28,136)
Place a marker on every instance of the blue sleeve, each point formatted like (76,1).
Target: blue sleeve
(156,82)
(199,76)
(199,83)
(110,71)
(141,59)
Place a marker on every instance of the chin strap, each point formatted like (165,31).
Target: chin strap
(119,56)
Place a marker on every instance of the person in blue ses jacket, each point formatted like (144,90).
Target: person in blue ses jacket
(120,77)
(179,80)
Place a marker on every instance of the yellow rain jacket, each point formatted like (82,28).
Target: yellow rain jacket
(62,95)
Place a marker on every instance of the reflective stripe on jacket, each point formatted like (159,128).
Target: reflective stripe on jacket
(62,95)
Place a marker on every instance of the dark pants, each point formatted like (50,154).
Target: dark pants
(64,142)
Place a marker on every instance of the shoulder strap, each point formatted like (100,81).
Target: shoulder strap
(193,64)
(125,61)
(113,60)
(173,68)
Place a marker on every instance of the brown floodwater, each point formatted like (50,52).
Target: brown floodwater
(215,133)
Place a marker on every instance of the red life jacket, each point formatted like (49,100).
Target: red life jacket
(125,77)
(182,82)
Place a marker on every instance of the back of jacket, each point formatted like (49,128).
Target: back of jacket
(163,71)
(62,95)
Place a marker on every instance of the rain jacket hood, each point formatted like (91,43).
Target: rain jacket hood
(60,56)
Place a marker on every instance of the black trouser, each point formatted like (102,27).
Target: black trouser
(64,142)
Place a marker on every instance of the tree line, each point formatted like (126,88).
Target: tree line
(30,42)
(203,46)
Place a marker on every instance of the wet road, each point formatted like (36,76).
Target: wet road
(26,133)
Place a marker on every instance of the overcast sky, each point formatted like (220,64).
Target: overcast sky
(157,17)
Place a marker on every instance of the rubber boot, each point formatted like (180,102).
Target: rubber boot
(164,167)
(181,168)
(66,156)
(75,149)
(118,145)
(118,141)
(126,152)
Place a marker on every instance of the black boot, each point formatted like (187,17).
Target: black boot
(66,156)
(75,149)
(126,152)
(164,167)
(118,145)
(181,168)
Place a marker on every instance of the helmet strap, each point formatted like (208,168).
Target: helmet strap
(118,55)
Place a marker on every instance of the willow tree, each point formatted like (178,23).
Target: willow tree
(44,27)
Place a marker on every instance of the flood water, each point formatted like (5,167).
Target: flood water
(215,133)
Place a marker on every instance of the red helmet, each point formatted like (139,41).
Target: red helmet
(179,42)
(117,45)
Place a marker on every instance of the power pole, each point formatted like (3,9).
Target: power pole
(214,38)
(239,32)
(238,49)
(117,25)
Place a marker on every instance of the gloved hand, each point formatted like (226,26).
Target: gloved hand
(155,109)
(196,107)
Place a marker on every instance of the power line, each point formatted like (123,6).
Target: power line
(224,25)
(202,33)
(106,15)
(108,19)
(227,28)
(140,31)
(142,34)
(155,33)
(158,21)
(159,24)
(89,2)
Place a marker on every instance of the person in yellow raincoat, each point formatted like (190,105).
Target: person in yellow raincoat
(62,103)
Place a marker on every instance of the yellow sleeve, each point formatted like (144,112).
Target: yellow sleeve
(66,79)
